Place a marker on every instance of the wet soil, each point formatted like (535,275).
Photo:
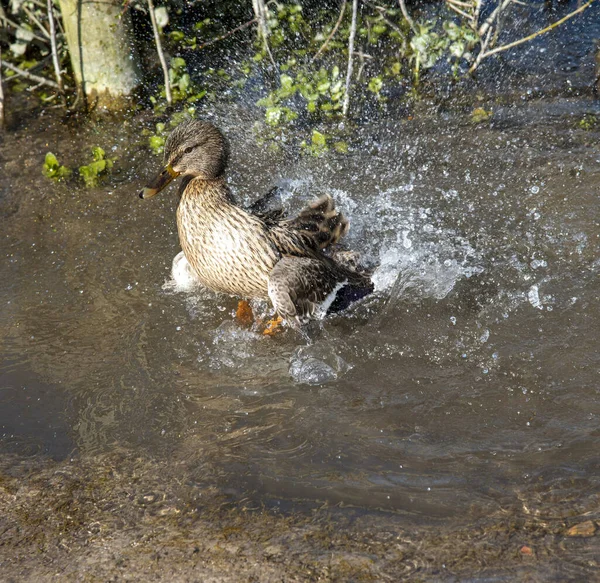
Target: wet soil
(126,518)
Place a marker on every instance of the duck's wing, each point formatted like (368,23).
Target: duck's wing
(320,222)
(316,227)
(303,288)
(267,208)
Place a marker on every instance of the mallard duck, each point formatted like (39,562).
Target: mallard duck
(252,253)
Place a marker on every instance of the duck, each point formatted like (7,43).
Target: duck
(255,252)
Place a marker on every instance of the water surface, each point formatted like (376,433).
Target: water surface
(465,387)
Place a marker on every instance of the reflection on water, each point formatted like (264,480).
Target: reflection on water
(466,385)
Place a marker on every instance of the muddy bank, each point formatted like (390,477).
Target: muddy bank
(125,518)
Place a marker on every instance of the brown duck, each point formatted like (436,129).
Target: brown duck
(248,253)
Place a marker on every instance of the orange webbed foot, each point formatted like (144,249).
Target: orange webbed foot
(273,326)
(244,314)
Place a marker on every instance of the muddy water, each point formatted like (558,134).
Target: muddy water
(464,388)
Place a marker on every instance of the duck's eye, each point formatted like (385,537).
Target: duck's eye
(188,149)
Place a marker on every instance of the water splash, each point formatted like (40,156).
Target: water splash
(183,279)
(317,364)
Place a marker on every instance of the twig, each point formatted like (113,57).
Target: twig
(55,60)
(346,102)
(159,50)
(261,16)
(396,28)
(382,11)
(493,16)
(459,3)
(361,66)
(227,34)
(38,3)
(126,6)
(476,13)
(505,47)
(32,17)
(29,76)
(260,11)
(486,30)
(458,10)
(1,95)
(8,21)
(407,16)
(34,88)
(331,34)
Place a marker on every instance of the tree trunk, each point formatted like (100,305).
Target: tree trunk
(104,62)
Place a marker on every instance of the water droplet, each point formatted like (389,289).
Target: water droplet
(533,295)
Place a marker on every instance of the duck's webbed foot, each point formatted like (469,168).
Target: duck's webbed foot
(244,314)
(273,326)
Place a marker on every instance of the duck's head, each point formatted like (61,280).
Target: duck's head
(194,148)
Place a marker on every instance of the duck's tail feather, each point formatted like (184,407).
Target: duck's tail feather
(353,291)
(325,224)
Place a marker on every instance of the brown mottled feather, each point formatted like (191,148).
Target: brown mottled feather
(254,252)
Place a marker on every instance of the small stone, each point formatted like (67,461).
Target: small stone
(525,550)
(273,550)
(169,511)
(587,528)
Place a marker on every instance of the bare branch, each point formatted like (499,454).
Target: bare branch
(38,3)
(29,76)
(55,60)
(476,13)
(9,22)
(502,6)
(227,34)
(407,17)
(458,10)
(485,54)
(331,34)
(382,12)
(346,102)
(161,54)
(260,11)
(459,3)
(32,17)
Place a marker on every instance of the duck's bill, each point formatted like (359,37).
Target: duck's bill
(156,185)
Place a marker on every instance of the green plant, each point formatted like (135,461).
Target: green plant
(318,144)
(321,90)
(53,169)
(479,115)
(182,87)
(427,47)
(588,122)
(285,21)
(97,168)
(156,140)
